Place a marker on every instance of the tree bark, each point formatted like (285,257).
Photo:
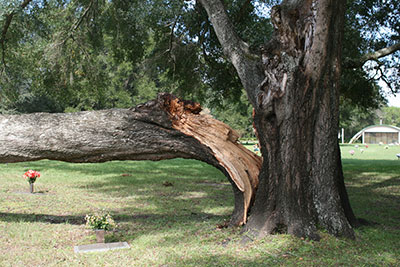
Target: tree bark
(375,56)
(165,128)
(296,118)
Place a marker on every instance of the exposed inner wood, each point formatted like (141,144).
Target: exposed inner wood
(242,165)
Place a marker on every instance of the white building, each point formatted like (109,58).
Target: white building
(375,134)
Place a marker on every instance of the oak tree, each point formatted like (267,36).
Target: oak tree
(294,90)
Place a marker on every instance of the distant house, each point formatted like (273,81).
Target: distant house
(376,134)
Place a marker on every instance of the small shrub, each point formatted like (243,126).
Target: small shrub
(100,221)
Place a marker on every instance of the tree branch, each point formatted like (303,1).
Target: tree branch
(381,53)
(78,23)
(169,51)
(233,46)
(164,128)
(75,26)
(6,26)
(235,49)
(171,36)
(376,55)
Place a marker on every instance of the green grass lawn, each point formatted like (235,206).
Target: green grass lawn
(177,225)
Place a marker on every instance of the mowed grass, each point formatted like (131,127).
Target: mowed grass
(373,183)
(178,225)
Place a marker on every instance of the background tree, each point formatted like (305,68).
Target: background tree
(390,115)
(353,118)
(371,34)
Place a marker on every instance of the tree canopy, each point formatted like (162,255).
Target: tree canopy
(371,41)
(61,55)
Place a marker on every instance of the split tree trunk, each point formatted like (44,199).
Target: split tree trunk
(296,117)
(297,122)
(165,128)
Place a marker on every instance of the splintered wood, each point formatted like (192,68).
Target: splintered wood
(242,165)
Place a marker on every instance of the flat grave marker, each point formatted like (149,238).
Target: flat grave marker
(100,247)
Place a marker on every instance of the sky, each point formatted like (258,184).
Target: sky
(394,101)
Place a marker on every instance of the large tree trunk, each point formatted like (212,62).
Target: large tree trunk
(297,122)
(165,128)
(296,117)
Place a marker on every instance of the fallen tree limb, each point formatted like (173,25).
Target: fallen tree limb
(165,128)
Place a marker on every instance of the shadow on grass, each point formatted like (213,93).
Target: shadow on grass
(187,211)
(197,193)
(177,166)
(370,194)
(80,219)
(374,190)
(46,218)
(145,180)
(168,186)
(227,260)
(359,166)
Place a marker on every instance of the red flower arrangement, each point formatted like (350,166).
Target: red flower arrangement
(31,176)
